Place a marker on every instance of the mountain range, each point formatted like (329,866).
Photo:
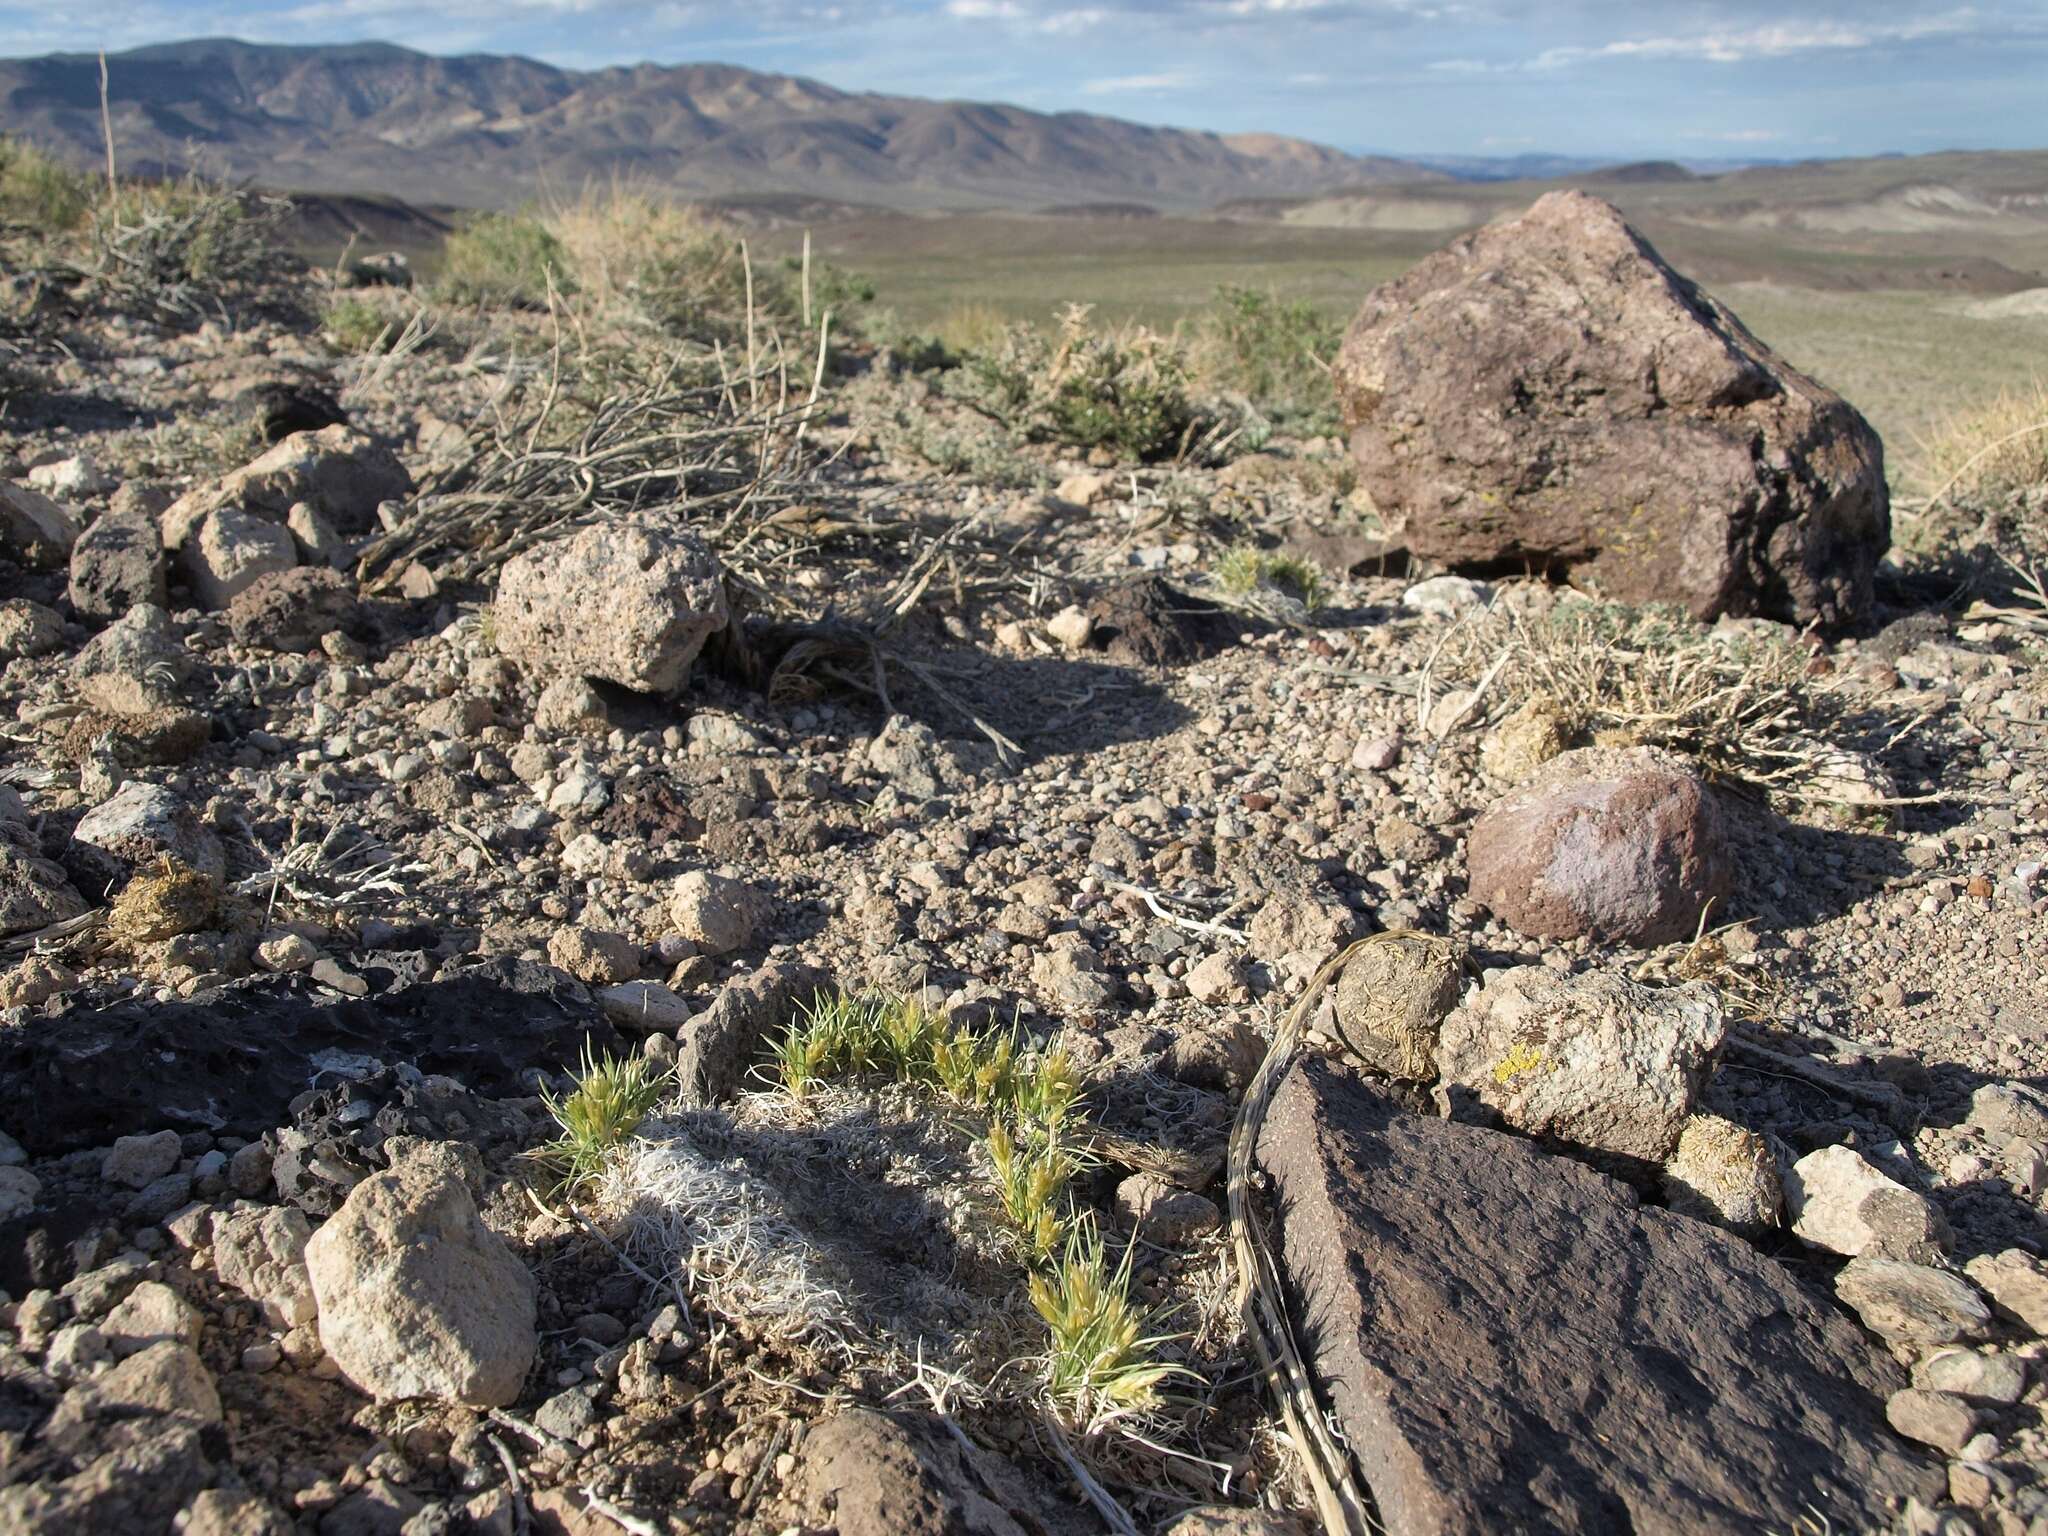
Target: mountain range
(487,130)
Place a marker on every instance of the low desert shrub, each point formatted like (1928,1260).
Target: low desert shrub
(1274,352)
(40,192)
(502,260)
(1086,387)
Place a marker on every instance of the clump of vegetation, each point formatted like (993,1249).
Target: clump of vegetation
(1245,569)
(354,324)
(1099,1362)
(40,192)
(599,1115)
(502,259)
(1274,352)
(1087,387)
(1993,453)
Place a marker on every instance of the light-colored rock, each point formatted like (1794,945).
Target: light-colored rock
(152,1313)
(145,823)
(1157,1212)
(644,1007)
(417,1297)
(1724,1173)
(1939,1419)
(135,664)
(1071,628)
(2017,1284)
(1912,1304)
(134,1161)
(1215,979)
(717,913)
(317,542)
(28,629)
(1621,845)
(339,472)
(262,1254)
(1996,1377)
(163,1378)
(571,705)
(231,1512)
(591,955)
(631,603)
(70,478)
(1445,597)
(2003,1111)
(35,530)
(1839,1202)
(229,551)
(1593,1060)
(1535,733)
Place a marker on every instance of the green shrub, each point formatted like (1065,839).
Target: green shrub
(1088,388)
(502,259)
(1275,352)
(1245,568)
(40,192)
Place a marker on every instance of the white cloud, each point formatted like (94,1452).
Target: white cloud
(1736,135)
(985,10)
(1120,85)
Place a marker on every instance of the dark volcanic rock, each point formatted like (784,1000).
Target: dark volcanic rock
(1143,620)
(1548,393)
(279,409)
(235,1060)
(1619,844)
(714,1048)
(1510,1342)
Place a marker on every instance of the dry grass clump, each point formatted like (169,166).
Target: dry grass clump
(1991,453)
(40,192)
(163,902)
(1740,700)
(502,260)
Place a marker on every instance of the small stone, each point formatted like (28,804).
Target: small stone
(716,913)
(1839,1202)
(1158,1213)
(230,551)
(1912,1304)
(136,1161)
(1724,1173)
(150,1314)
(2017,1284)
(1987,1378)
(2004,1110)
(28,629)
(262,1254)
(1445,597)
(644,1007)
(1938,1419)
(1376,754)
(1071,628)
(594,956)
(286,953)
(19,1191)
(1215,979)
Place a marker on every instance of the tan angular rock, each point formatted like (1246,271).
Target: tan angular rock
(630,603)
(1602,1063)
(337,471)
(262,1254)
(715,912)
(417,1297)
(35,530)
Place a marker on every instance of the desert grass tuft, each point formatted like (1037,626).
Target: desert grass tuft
(1100,1363)
(599,1116)
(1245,569)
(1989,454)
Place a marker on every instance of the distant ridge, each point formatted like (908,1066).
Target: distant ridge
(485,130)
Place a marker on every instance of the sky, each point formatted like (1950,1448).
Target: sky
(1630,79)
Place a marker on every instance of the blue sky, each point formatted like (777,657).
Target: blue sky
(1631,78)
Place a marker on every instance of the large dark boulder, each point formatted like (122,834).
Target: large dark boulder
(1548,392)
(1509,1341)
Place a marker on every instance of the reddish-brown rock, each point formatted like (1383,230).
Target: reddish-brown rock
(1549,393)
(1620,844)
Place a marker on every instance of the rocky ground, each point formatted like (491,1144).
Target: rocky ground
(1687,1174)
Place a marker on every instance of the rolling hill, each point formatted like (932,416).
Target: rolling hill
(486,130)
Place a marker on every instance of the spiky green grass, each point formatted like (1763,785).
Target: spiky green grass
(599,1116)
(1100,1361)
(1245,568)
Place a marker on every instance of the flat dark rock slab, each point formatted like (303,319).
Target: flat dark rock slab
(234,1060)
(1511,1342)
